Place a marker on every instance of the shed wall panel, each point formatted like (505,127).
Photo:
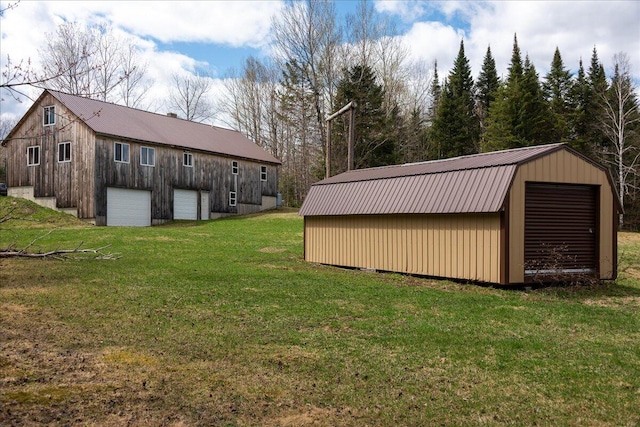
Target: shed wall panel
(456,246)
(565,168)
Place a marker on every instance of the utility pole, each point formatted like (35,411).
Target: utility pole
(351,108)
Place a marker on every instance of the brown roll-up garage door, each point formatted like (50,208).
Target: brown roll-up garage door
(561,232)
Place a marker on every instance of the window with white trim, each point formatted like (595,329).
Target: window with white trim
(234,168)
(147,156)
(187,159)
(64,152)
(33,155)
(232,198)
(49,115)
(263,173)
(121,152)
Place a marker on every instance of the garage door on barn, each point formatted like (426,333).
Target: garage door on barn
(561,232)
(127,207)
(185,204)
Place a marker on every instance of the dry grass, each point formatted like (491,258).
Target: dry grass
(222,323)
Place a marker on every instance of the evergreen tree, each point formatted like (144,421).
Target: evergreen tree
(520,115)
(516,70)
(456,128)
(534,120)
(499,134)
(376,140)
(435,93)
(557,87)
(504,116)
(577,123)
(487,85)
(296,123)
(597,86)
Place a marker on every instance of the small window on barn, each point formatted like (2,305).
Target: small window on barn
(33,155)
(49,116)
(232,198)
(187,159)
(147,156)
(64,152)
(263,173)
(121,152)
(234,168)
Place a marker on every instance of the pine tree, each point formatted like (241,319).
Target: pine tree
(504,116)
(456,128)
(486,86)
(376,136)
(597,86)
(516,71)
(296,120)
(534,120)
(557,87)
(577,123)
(435,93)
(499,134)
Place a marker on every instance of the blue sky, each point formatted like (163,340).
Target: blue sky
(220,35)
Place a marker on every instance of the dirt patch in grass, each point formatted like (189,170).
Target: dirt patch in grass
(310,416)
(633,301)
(269,250)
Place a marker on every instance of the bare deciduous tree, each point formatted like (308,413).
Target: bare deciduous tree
(93,62)
(68,55)
(619,122)
(305,35)
(135,83)
(188,97)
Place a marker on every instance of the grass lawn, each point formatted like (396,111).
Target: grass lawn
(223,323)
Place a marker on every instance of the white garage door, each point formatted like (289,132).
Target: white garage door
(128,207)
(185,204)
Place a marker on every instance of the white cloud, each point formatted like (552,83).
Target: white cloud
(236,24)
(574,26)
(407,11)
(429,41)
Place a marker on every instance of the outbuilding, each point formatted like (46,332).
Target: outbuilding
(115,165)
(508,217)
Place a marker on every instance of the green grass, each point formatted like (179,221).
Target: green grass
(224,323)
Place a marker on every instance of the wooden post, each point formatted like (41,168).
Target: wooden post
(352,132)
(328,158)
(352,129)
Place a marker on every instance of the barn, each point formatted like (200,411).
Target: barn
(115,165)
(509,217)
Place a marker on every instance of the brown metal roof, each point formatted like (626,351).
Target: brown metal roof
(476,183)
(128,123)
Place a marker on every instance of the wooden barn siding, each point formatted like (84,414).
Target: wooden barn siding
(561,167)
(209,173)
(51,178)
(455,246)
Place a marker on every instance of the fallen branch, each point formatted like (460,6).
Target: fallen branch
(59,253)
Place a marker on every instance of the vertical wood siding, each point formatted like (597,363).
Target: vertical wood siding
(71,183)
(209,173)
(455,246)
(82,182)
(565,168)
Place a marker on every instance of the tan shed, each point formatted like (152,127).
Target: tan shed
(507,217)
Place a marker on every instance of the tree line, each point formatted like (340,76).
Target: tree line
(404,111)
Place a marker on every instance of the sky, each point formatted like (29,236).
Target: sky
(219,35)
